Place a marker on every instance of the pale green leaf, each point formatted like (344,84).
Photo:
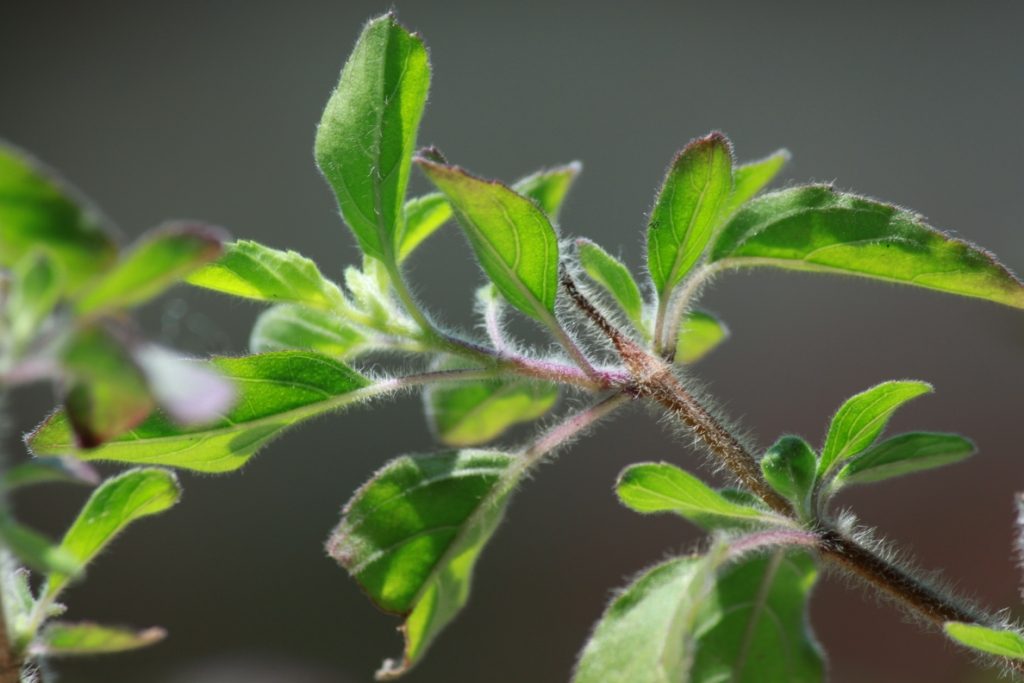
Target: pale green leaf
(699,334)
(36,288)
(253,271)
(275,392)
(288,327)
(368,132)
(161,258)
(661,487)
(756,628)
(615,278)
(1000,642)
(816,228)
(64,639)
(904,454)
(860,420)
(469,414)
(513,239)
(39,212)
(114,505)
(687,210)
(424,215)
(751,178)
(35,550)
(411,536)
(47,470)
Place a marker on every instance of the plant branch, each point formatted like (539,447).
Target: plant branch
(10,659)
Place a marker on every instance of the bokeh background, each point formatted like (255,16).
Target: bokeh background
(207,110)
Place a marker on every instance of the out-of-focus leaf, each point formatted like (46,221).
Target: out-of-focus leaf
(862,418)
(253,271)
(39,212)
(275,392)
(993,641)
(189,391)
(699,334)
(512,238)
(615,278)
(903,454)
(368,132)
(158,260)
(292,327)
(64,639)
(816,228)
(411,536)
(50,469)
(687,210)
(117,502)
(35,550)
(36,289)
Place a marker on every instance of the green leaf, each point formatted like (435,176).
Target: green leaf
(253,271)
(35,550)
(288,327)
(661,487)
(904,454)
(699,334)
(63,639)
(862,418)
(469,414)
(190,392)
(816,228)
(411,536)
(36,288)
(1001,642)
(512,238)
(117,502)
(424,215)
(789,466)
(368,132)
(687,210)
(757,628)
(161,258)
(615,278)
(40,212)
(275,392)
(751,178)
(108,392)
(647,633)
(48,470)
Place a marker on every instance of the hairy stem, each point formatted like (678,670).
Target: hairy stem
(654,379)
(10,659)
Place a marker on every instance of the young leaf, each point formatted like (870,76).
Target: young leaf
(816,228)
(688,207)
(615,278)
(789,467)
(35,550)
(35,291)
(647,633)
(699,334)
(862,418)
(903,454)
(108,392)
(293,327)
(39,212)
(474,413)
(758,629)
(512,238)
(1000,642)
(411,536)
(117,502)
(424,215)
(50,469)
(661,487)
(160,259)
(275,392)
(368,132)
(252,271)
(63,639)
(751,178)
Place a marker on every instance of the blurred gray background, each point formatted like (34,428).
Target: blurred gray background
(207,110)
